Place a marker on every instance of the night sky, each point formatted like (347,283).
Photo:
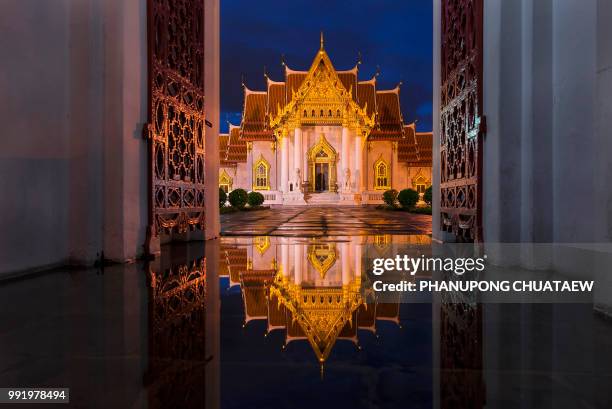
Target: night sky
(394,35)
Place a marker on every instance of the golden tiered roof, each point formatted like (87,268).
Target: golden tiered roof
(416,147)
(232,149)
(322,95)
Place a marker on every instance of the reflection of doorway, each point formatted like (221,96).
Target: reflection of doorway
(321,177)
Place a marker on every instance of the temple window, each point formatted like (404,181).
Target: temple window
(382,177)
(261,175)
(313,113)
(225,182)
(338,113)
(321,113)
(330,114)
(420,184)
(305,113)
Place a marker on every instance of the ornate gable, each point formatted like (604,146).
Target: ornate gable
(322,99)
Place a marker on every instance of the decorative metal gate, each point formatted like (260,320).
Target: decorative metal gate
(176,126)
(462,124)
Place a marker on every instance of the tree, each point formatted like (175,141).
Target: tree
(255,199)
(222,197)
(427,195)
(408,198)
(390,197)
(238,198)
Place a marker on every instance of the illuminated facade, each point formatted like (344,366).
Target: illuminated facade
(324,136)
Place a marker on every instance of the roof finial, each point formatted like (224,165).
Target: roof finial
(358,57)
(242,76)
(283,60)
(377,71)
(322,41)
(265,72)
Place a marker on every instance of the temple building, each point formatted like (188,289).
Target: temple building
(324,136)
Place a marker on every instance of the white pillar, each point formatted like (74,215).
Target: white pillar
(345,163)
(346,271)
(297,263)
(284,163)
(285,259)
(211,142)
(357,254)
(358,164)
(297,158)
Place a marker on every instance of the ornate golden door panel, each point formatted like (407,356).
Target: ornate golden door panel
(462,125)
(322,167)
(176,116)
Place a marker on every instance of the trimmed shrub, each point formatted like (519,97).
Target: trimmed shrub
(427,195)
(238,198)
(408,198)
(390,197)
(222,197)
(255,199)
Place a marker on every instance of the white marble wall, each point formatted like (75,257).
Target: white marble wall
(547,152)
(72,157)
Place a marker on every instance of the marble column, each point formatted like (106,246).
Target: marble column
(358,255)
(297,263)
(358,177)
(297,159)
(346,270)
(285,259)
(284,163)
(345,163)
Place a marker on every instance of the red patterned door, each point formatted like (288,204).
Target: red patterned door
(176,125)
(462,125)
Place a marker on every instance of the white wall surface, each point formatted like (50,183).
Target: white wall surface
(72,159)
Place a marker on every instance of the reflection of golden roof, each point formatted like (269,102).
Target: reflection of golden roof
(254,285)
(388,312)
(319,315)
(322,314)
(367,316)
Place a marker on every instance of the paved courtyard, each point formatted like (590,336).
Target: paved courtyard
(323,221)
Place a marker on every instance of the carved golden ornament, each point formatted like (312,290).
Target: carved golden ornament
(261,243)
(322,99)
(322,256)
(322,313)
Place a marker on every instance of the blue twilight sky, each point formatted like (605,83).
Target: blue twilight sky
(395,35)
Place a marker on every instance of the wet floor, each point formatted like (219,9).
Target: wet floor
(278,321)
(300,221)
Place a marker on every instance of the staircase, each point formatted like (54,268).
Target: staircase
(322,199)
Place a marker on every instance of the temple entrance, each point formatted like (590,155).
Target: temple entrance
(321,177)
(322,167)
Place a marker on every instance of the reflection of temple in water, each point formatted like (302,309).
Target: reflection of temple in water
(310,289)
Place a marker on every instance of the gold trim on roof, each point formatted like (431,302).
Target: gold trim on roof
(322,99)
(322,313)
